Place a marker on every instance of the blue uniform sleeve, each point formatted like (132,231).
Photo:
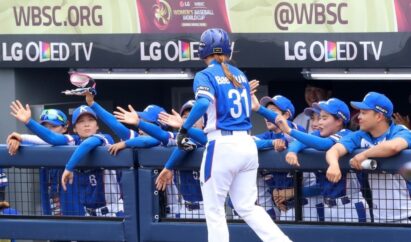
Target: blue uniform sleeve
(405,134)
(142,142)
(271,116)
(267,113)
(118,128)
(351,141)
(264,135)
(203,87)
(198,135)
(199,109)
(82,150)
(155,131)
(176,157)
(296,146)
(312,141)
(263,144)
(46,134)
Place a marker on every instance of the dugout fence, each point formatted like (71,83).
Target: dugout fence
(149,215)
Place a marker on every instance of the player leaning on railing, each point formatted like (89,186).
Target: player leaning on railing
(390,191)
(97,200)
(342,201)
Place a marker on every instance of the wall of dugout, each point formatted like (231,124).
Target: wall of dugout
(146,219)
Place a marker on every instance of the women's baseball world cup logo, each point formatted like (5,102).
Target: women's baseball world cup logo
(162,14)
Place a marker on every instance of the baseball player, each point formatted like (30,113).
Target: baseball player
(230,160)
(282,183)
(381,138)
(53,200)
(3,184)
(186,182)
(342,201)
(94,195)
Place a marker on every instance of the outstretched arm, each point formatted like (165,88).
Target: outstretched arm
(118,128)
(82,150)
(142,142)
(46,134)
(312,141)
(198,110)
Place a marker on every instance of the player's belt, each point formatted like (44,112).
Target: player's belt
(97,211)
(221,132)
(291,203)
(192,205)
(331,202)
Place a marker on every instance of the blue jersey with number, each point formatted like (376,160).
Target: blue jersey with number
(91,190)
(230,107)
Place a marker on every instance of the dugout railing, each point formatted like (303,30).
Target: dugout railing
(31,225)
(143,220)
(155,228)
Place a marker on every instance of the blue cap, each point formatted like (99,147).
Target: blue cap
(187,105)
(377,102)
(312,110)
(83,109)
(283,103)
(54,117)
(335,107)
(150,113)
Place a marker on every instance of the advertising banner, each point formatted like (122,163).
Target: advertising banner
(371,50)
(68,17)
(194,16)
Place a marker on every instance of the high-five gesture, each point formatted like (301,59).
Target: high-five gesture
(282,123)
(255,104)
(173,120)
(127,117)
(254,84)
(20,112)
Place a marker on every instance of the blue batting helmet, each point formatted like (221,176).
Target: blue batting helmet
(214,41)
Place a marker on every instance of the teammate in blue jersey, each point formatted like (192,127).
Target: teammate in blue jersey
(54,201)
(381,138)
(281,184)
(342,201)
(93,194)
(222,93)
(3,184)
(186,181)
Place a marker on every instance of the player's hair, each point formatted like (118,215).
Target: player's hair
(221,59)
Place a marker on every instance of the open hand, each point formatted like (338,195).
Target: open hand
(173,120)
(20,112)
(164,178)
(254,84)
(127,117)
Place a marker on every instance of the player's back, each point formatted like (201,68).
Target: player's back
(232,106)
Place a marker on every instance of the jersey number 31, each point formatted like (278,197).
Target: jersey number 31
(237,110)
